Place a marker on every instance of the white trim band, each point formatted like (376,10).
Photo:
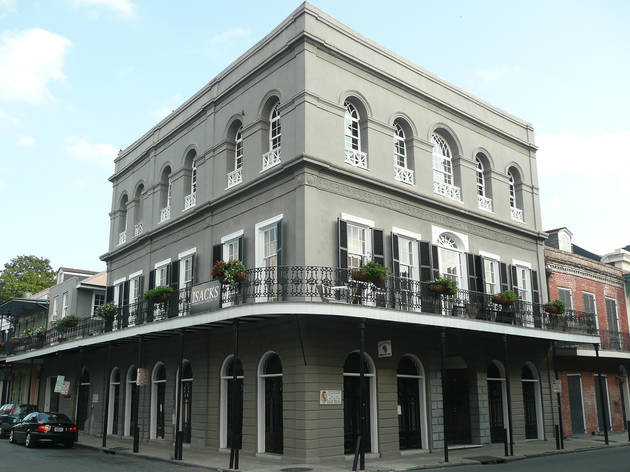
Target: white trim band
(162,263)
(405,233)
(181,255)
(357,219)
(516,262)
(230,237)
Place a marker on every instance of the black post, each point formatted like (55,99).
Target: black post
(136,403)
(106,404)
(557,437)
(601,394)
(507,390)
(30,381)
(234,449)
(505,442)
(628,428)
(555,368)
(443,378)
(178,410)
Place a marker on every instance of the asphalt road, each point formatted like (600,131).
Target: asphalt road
(17,458)
(614,459)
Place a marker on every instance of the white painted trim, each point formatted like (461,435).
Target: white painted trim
(268,222)
(516,262)
(602,353)
(357,219)
(489,255)
(110,406)
(119,281)
(316,309)
(231,236)
(406,234)
(436,231)
(162,263)
(190,251)
(135,274)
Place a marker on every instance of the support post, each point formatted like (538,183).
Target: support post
(362,396)
(507,390)
(555,368)
(135,430)
(106,404)
(601,394)
(443,378)
(178,404)
(234,449)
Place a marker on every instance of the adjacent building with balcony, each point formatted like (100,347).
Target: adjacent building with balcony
(590,287)
(314,153)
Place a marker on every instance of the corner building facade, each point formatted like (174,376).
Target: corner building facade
(314,153)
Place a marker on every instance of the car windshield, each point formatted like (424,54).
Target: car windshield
(5,408)
(24,409)
(53,418)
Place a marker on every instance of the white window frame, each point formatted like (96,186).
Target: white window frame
(153,422)
(422,397)
(442,160)
(616,312)
(413,263)
(540,429)
(128,402)
(275,129)
(512,185)
(231,240)
(94,306)
(481,178)
(158,266)
(527,279)
(110,406)
(223,401)
(55,313)
(400,146)
(238,148)
(64,305)
(582,397)
(193,177)
(260,241)
(504,399)
(594,307)
(571,304)
(352,127)
(494,268)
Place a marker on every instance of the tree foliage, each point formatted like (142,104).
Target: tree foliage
(25,274)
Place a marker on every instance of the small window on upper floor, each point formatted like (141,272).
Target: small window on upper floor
(443,176)
(402,171)
(122,223)
(516,199)
(166,194)
(235,165)
(272,157)
(138,227)
(484,196)
(352,135)
(190,180)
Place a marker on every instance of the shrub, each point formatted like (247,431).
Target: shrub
(443,285)
(107,311)
(555,307)
(159,294)
(506,297)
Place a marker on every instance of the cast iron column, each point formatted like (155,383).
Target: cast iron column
(507,390)
(106,403)
(362,405)
(555,368)
(178,403)
(135,430)
(234,449)
(443,379)
(601,394)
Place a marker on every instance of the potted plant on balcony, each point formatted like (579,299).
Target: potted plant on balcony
(372,272)
(505,298)
(555,307)
(229,273)
(443,286)
(67,322)
(40,332)
(107,312)
(15,341)
(159,294)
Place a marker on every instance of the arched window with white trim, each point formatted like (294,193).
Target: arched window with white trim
(166,194)
(275,129)
(231,414)
(190,181)
(131,394)
(351,406)
(158,401)
(235,165)
(122,224)
(412,408)
(402,170)
(484,197)
(497,402)
(270,404)
(138,227)
(352,137)
(532,402)
(443,175)
(113,408)
(515,198)
(451,259)
(238,148)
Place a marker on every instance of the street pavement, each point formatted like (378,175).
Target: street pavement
(17,458)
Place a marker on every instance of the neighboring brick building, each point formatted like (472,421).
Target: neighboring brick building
(589,286)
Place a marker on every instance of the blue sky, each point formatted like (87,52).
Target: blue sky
(80,79)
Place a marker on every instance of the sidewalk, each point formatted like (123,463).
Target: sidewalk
(214,460)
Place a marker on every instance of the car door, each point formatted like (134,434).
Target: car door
(24,426)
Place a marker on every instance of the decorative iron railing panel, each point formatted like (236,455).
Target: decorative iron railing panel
(190,200)
(446,190)
(484,203)
(235,177)
(403,174)
(516,214)
(356,158)
(165,214)
(271,159)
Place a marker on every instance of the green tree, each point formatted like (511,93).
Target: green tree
(25,274)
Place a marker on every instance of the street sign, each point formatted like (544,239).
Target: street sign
(65,389)
(330,397)
(556,386)
(59,384)
(385,348)
(142,379)
(205,297)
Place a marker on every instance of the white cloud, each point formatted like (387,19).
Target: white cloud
(26,142)
(29,61)
(99,153)
(496,73)
(7,7)
(124,8)
(162,112)
(6,118)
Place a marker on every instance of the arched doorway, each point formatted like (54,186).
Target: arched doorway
(231,417)
(497,402)
(624,394)
(351,407)
(131,392)
(186,404)
(114,401)
(531,402)
(83,399)
(270,418)
(412,413)
(158,400)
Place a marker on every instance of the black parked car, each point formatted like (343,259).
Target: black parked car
(12,413)
(38,428)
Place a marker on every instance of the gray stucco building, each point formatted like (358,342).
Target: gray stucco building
(314,153)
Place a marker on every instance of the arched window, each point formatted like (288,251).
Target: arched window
(235,174)
(83,400)
(351,406)
(166,194)
(412,410)
(532,403)
(113,408)
(131,396)
(272,158)
(497,402)
(190,200)
(238,148)
(270,416)
(443,180)
(484,200)
(481,179)
(451,258)
(122,226)
(158,401)
(231,413)
(138,227)
(512,190)
(402,172)
(185,419)
(352,133)
(516,209)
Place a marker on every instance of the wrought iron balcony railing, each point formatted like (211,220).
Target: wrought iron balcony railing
(165,214)
(484,203)
(356,158)
(403,174)
(312,284)
(190,200)
(235,177)
(270,159)
(614,340)
(516,214)
(447,190)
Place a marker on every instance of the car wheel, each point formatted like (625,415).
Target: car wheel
(28,442)
(68,444)
(11,437)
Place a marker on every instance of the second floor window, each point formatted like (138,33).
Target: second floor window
(64,305)
(491,276)
(231,250)
(512,190)
(55,307)
(400,148)
(238,149)
(134,290)
(481,180)
(523,277)
(193,178)
(450,259)
(99,299)
(564,294)
(359,245)
(442,160)
(408,257)
(351,128)
(270,245)
(275,131)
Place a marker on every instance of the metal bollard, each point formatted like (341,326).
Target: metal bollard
(136,439)
(557,437)
(505,442)
(628,426)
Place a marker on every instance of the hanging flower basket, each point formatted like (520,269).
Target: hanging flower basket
(107,311)
(505,298)
(14,341)
(372,272)
(443,286)
(358,276)
(555,307)
(159,294)
(229,273)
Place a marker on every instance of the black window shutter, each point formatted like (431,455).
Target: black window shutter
(217,253)
(514,279)
(241,249)
(125,290)
(472,273)
(193,269)
(173,275)
(121,293)
(435,261)
(378,246)
(279,243)
(140,286)
(395,256)
(481,286)
(342,233)
(535,293)
(426,271)
(152,279)
(109,294)
(503,275)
